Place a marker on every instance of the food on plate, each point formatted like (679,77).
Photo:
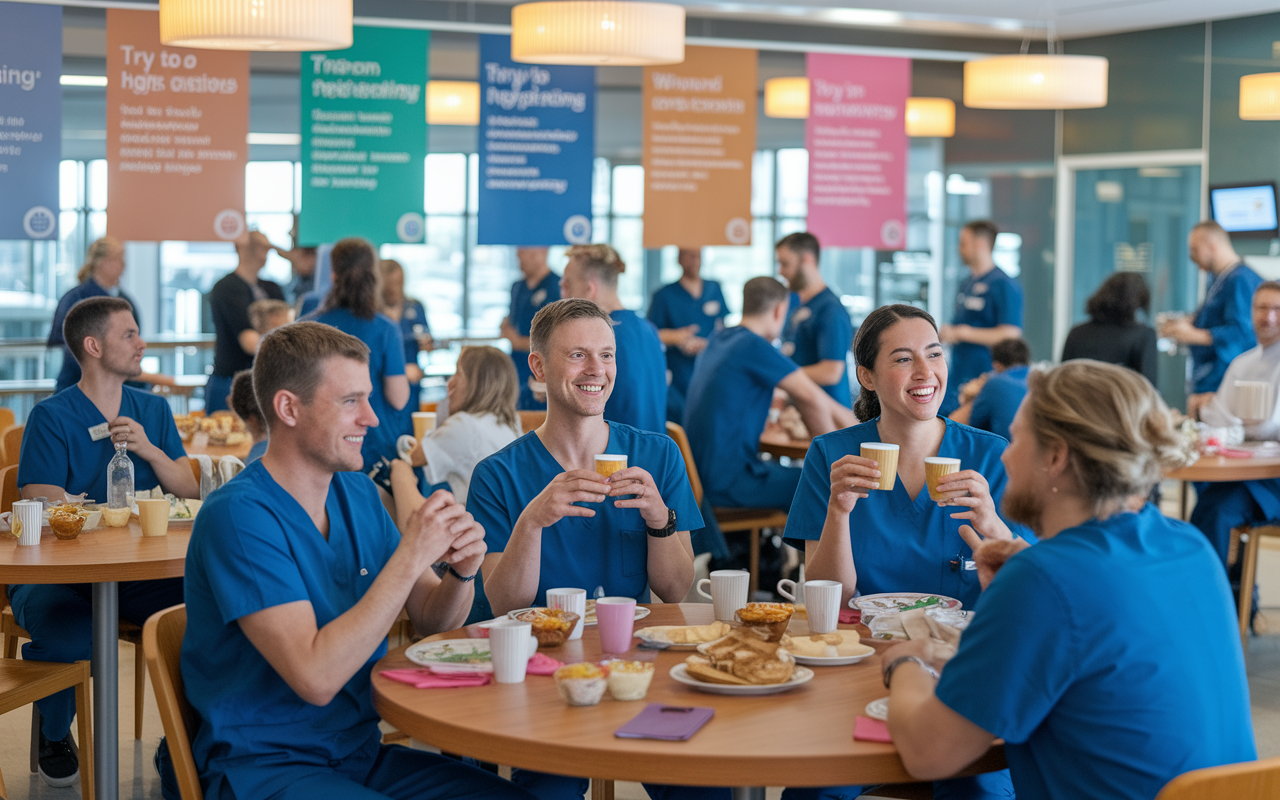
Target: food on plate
(770,618)
(223,429)
(685,634)
(581,684)
(67,521)
(589,615)
(116,517)
(837,644)
(551,626)
(743,657)
(629,680)
(180,508)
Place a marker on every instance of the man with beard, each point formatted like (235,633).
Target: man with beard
(818,332)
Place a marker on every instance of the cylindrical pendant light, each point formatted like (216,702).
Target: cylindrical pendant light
(786,98)
(1260,96)
(1039,81)
(930,116)
(256,24)
(453,103)
(597,32)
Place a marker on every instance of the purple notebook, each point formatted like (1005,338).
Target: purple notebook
(670,723)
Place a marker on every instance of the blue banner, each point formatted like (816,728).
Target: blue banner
(537,147)
(30,119)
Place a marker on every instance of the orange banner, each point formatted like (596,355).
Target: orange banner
(699,136)
(177,120)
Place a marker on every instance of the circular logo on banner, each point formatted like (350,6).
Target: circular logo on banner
(409,227)
(39,222)
(229,224)
(738,231)
(893,233)
(577,230)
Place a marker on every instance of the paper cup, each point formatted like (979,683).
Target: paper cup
(574,600)
(887,456)
(423,421)
(609,463)
(934,469)
(511,645)
(822,604)
(153,516)
(27,521)
(728,591)
(1252,401)
(615,618)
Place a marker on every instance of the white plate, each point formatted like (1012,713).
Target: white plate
(665,645)
(892,602)
(801,676)
(878,709)
(442,656)
(641,613)
(837,661)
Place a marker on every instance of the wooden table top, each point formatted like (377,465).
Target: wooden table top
(803,737)
(774,440)
(98,555)
(1218,468)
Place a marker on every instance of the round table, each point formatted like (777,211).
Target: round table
(803,737)
(777,442)
(102,556)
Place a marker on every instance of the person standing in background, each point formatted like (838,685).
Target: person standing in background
(988,310)
(1113,333)
(819,333)
(686,313)
(229,301)
(409,314)
(1221,328)
(538,287)
(303,262)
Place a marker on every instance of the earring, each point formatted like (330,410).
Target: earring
(1053,489)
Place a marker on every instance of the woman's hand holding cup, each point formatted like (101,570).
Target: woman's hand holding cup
(852,477)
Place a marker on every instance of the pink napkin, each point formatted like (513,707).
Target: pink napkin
(866,729)
(426,679)
(1227,452)
(543,664)
(850,616)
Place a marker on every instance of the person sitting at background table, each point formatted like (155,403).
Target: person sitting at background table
(1113,333)
(640,396)
(409,314)
(294,575)
(68,442)
(818,331)
(245,406)
(989,403)
(900,540)
(537,287)
(1069,658)
(686,314)
(729,398)
(267,315)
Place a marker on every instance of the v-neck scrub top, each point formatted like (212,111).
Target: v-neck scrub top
(639,396)
(254,547)
(674,307)
(820,330)
(901,545)
(1227,314)
(610,549)
(525,303)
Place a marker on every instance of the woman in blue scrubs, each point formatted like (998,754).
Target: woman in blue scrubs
(412,319)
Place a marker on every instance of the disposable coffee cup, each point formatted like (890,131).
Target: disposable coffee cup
(609,463)
(886,455)
(934,470)
(511,645)
(423,421)
(1253,401)
(153,516)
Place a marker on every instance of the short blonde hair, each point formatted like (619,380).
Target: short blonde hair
(262,312)
(598,261)
(100,249)
(492,385)
(553,315)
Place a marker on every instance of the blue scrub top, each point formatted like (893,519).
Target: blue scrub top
(413,323)
(1227,313)
(610,549)
(58,450)
(986,302)
(639,396)
(525,303)
(673,307)
(995,405)
(253,547)
(820,330)
(728,405)
(69,374)
(1108,660)
(386,358)
(900,545)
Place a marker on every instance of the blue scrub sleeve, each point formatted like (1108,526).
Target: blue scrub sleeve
(766,364)
(1006,296)
(983,407)
(486,505)
(1235,335)
(677,494)
(835,334)
(248,562)
(719,295)
(809,507)
(1016,659)
(511,308)
(659,314)
(391,345)
(44,456)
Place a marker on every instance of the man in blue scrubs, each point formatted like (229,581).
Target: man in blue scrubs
(229,301)
(988,311)
(538,287)
(818,333)
(68,442)
(295,573)
(1220,330)
(729,398)
(640,397)
(1001,392)
(686,313)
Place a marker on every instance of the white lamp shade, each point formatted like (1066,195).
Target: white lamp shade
(453,103)
(1260,96)
(1027,82)
(597,32)
(256,24)
(786,98)
(931,116)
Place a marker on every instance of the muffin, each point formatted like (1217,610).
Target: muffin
(770,619)
(629,680)
(551,626)
(581,684)
(67,521)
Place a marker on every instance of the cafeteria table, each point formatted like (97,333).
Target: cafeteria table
(102,556)
(777,442)
(803,737)
(1219,469)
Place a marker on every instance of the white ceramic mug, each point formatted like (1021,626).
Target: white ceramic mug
(728,591)
(511,645)
(573,600)
(31,514)
(796,592)
(823,605)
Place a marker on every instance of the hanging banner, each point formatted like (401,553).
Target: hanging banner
(699,136)
(30,120)
(857,143)
(537,149)
(177,120)
(364,138)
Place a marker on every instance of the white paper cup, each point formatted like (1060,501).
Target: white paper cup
(822,604)
(572,600)
(30,515)
(511,645)
(728,591)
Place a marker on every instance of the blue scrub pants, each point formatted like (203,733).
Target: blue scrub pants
(60,620)
(986,786)
(216,391)
(776,488)
(562,787)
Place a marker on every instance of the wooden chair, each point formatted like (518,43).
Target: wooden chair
(428,406)
(1244,545)
(162,642)
(12,440)
(8,488)
(531,419)
(24,682)
(731,520)
(1251,780)
(6,417)
(195,470)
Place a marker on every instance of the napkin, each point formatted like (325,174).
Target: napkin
(543,664)
(426,679)
(866,729)
(850,616)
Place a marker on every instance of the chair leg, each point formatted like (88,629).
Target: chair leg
(754,546)
(601,789)
(139,689)
(1248,575)
(10,646)
(4,792)
(35,739)
(84,715)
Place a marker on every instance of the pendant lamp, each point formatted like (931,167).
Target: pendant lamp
(256,24)
(786,98)
(595,32)
(1260,96)
(930,116)
(1036,82)
(453,103)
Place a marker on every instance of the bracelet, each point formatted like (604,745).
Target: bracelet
(442,567)
(888,671)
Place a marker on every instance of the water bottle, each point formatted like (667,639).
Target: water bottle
(120,477)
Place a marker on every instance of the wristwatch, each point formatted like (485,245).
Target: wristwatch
(888,671)
(442,567)
(664,532)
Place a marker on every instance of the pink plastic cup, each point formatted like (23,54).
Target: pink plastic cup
(615,617)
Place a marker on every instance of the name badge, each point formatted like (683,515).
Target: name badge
(802,314)
(100,431)
(539,297)
(711,308)
(975,303)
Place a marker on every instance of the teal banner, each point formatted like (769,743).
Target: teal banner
(364,138)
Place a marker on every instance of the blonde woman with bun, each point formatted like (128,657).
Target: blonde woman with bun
(1107,655)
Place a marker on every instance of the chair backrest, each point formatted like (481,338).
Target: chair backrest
(8,488)
(1251,780)
(532,419)
(682,441)
(428,406)
(162,643)
(6,417)
(12,439)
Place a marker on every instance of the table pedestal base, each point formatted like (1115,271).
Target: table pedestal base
(748,793)
(106,691)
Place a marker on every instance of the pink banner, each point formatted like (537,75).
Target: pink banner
(857,143)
